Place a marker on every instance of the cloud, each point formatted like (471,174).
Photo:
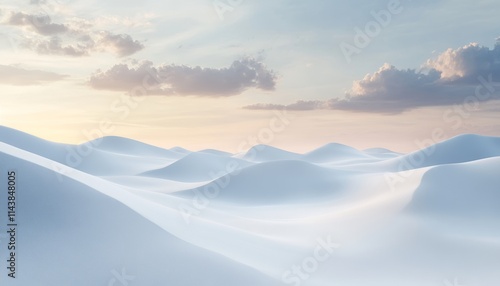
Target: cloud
(122,78)
(451,78)
(42,23)
(77,38)
(466,63)
(394,90)
(184,80)
(122,44)
(299,105)
(13,75)
(55,46)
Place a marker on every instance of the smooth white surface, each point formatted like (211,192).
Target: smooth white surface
(262,213)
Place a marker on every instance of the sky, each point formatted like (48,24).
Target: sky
(230,74)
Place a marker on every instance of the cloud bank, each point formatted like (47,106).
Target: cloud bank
(13,75)
(446,80)
(184,80)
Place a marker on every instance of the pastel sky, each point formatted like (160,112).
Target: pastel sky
(228,74)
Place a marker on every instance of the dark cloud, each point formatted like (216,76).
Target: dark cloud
(393,90)
(184,80)
(70,39)
(13,75)
(451,78)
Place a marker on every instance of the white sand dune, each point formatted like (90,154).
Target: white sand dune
(334,152)
(264,153)
(131,147)
(333,216)
(198,166)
